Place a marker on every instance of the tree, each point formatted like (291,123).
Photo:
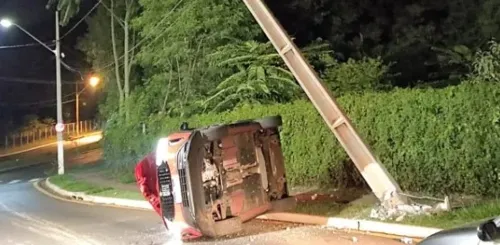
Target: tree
(49,121)
(401,32)
(259,77)
(32,122)
(357,76)
(455,61)
(486,64)
(111,42)
(68,9)
(257,74)
(180,35)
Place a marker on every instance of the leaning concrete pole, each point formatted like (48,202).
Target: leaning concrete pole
(380,181)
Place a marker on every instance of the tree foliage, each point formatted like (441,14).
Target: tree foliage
(68,9)
(33,122)
(432,140)
(487,63)
(210,62)
(403,32)
(179,36)
(371,45)
(357,76)
(110,46)
(257,75)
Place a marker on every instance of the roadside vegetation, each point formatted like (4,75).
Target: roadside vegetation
(426,100)
(459,216)
(70,183)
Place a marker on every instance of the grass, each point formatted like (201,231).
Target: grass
(69,183)
(460,216)
(134,195)
(123,174)
(457,217)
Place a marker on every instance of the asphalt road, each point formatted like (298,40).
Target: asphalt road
(29,217)
(29,174)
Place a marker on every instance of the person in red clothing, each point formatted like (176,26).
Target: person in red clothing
(146,177)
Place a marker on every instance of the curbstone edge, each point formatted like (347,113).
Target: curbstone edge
(381,227)
(335,223)
(120,202)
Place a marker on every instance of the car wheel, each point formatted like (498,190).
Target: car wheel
(213,133)
(270,122)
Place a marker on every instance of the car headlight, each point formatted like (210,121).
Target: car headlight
(161,151)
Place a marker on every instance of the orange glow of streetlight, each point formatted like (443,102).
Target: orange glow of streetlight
(94,81)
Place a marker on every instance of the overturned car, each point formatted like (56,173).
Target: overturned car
(213,179)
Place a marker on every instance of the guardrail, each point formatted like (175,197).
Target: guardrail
(45,135)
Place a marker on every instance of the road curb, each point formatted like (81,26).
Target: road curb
(381,227)
(119,202)
(352,224)
(334,223)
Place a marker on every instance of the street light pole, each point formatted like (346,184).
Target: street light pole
(77,110)
(93,82)
(60,142)
(60,126)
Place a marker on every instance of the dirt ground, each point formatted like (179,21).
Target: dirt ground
(281,234)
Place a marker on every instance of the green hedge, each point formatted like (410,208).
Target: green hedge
(436,141)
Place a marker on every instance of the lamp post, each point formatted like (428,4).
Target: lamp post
(93,82)
(57,52)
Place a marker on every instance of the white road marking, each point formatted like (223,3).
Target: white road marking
(15,181)
(49,229)
(34,180)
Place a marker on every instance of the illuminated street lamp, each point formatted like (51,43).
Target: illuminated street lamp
(6,23)
(93,82)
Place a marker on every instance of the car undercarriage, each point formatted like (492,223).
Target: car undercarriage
(215,178)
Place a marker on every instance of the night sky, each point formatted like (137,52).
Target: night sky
(27,74)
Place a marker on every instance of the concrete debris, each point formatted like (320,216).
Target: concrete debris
(400,218)
(354,239)
(444,206)
(392,209)
(399,212)
(406,240)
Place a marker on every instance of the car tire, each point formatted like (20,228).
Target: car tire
(270,122)
(214,133)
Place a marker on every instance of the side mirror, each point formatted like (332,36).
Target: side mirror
(489,230)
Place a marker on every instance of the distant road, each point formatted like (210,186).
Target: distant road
(46,154)
(44,144)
